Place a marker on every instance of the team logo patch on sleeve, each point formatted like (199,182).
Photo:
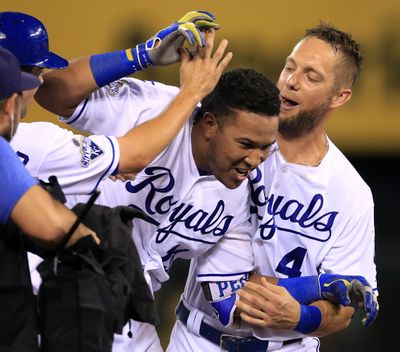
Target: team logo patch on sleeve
(113,88)
(90,151)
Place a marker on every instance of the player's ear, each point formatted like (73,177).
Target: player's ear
(209,124)
(341,97)
(9,107)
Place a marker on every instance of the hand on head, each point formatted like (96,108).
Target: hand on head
(201,73)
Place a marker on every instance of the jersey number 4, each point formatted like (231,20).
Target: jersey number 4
(296,256)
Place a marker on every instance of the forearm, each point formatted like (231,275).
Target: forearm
(37,215)
(258,298)
(256,278)
(269,306)
(63,90)
(143,143)
(45,220)
(334,318)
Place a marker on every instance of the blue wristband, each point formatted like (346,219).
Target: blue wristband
(109,67)
(310,319)
(305,289)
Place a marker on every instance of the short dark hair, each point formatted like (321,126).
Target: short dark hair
(343,43)
(241,89)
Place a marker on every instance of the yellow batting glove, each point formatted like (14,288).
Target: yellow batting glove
(194,16)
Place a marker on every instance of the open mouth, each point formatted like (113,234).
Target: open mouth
(288,103)
(242,172)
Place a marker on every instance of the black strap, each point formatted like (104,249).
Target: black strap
(229,342)
(74,226)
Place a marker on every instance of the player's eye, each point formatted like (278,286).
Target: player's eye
(313,79)
(246,145)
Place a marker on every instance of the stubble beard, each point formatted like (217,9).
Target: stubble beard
(7,134)
(304,121)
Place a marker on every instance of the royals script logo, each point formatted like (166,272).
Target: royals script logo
(174,217)
(276,212)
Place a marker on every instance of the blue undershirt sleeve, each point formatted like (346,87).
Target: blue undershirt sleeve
(15,180)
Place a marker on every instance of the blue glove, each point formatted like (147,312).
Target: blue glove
(346,290)
(354,291)
(161,49)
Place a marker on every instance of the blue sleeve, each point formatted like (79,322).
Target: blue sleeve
(15,180)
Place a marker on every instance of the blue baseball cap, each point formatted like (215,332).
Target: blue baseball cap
(12,80)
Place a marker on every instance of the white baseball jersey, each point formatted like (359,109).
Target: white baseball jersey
(189,215)
(312,220)
(79,162)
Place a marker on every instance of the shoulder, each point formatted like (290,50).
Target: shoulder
(28,128)
(36,141)
(346,176)
(34,133)
(37,134)
(139,88)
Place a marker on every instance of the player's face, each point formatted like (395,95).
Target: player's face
(13,112)
(20,107)
(239,146)
(307,85)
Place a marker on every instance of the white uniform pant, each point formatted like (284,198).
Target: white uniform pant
(144,339)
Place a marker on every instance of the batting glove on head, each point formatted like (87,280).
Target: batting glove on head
(202,19)
(348,290)
(163,48)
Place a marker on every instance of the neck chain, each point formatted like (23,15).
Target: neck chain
(323,156)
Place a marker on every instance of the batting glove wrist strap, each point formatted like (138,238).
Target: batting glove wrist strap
(109,67)
(225,309)
(222,296)
(304,289)
(310,319)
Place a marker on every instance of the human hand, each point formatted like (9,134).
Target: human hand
(163,48)
(123,177)
(80,232)
(268,306)
(200,74)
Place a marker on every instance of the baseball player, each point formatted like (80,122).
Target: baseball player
(315,217)
(189,210)
(27,211)
(99,156)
